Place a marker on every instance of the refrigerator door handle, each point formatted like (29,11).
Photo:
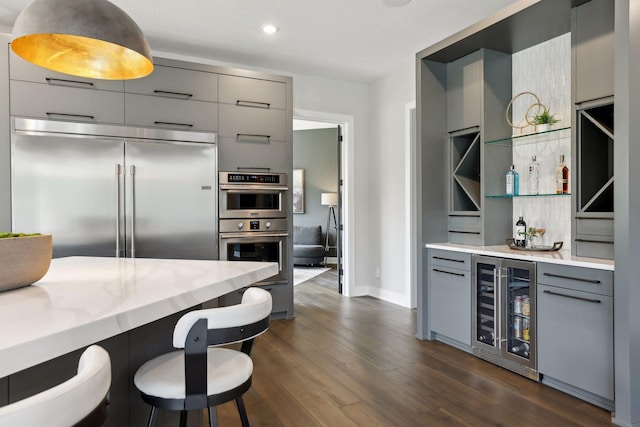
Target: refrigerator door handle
(118,208)
(498,292)
(132,172)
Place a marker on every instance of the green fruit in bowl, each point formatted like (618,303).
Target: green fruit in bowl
(4,235)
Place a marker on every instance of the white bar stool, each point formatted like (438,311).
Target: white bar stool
(79,401)
(203,375)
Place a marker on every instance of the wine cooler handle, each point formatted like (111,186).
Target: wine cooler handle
(595,301)
(498,295)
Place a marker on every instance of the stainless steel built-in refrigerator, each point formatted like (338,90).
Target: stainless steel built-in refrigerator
(115,190)
(503,312)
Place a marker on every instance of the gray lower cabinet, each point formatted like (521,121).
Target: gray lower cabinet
(575,331)
(154,111)
(57,102)
(450,297)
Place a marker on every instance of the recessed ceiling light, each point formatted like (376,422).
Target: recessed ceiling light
(270,29)
(396,3)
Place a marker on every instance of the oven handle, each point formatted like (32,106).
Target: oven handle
(256,235)
(253,187)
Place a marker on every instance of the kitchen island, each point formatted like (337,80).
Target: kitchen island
(116,302)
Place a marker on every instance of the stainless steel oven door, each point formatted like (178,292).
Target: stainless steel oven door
(242,201)
(267,247)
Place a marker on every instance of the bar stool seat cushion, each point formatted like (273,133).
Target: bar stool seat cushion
(164,376)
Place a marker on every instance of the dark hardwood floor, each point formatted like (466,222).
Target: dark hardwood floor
(355,362)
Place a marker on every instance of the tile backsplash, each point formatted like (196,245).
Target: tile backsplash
(545,70)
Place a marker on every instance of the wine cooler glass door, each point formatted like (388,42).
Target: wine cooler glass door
(519,310)
(486,301)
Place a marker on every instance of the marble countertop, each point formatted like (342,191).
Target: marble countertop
(563,256)
(83,300)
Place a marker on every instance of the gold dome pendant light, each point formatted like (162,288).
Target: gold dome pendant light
(86,38)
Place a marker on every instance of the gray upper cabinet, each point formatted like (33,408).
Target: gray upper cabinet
(152,111)
(178,83)
(464,92)
(593,45)
(252,124)
(250,92)
(19,69)
(65,103)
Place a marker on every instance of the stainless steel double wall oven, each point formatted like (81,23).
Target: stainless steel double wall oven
(253,219)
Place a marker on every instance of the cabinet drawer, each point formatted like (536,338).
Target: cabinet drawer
(599,226)
(64,103)
(253,124)
(465,237)
(236,155)
(177,83)
(465,223)
(595,246)
(451,259)
(575,331)
(279,296)
(252,92)
(152,111)
(577,278)
(19,69)
(450,303)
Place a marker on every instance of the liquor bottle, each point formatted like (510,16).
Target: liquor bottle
(562,177)
(510,181)
(521,228)
(534,176)
(516,182)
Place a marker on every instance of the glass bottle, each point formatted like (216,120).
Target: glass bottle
(534,176)
(521,228)
(562,177)
(510,181)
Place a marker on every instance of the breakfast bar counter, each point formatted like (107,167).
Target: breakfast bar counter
(83,300)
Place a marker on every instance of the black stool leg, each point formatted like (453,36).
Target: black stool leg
(183,418)
(152,417)
(242,411)
(213,416)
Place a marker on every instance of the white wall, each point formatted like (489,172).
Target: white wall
(388,190)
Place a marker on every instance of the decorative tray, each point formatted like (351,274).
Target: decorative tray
(537,248)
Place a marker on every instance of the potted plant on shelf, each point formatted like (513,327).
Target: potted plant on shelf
(544,120)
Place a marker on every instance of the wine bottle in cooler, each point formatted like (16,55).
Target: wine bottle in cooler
(522,349)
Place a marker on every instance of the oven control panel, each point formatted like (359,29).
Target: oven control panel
(253,178)
(252,225)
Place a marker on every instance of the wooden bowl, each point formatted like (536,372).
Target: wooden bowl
(24,260)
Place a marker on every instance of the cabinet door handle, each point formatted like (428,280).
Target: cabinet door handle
(187,125)
(449,272)
(255,104)
(448,259)
(65,82)
(578,279)
(75,116)
(173,94)
(464,232)
(253,135)
(241,168)
(595,301)
(594,241)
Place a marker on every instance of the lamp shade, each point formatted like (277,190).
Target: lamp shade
(86,38)
(329,199)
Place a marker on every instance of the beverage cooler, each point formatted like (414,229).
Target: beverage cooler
(504,307)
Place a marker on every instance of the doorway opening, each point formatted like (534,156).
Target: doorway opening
(321,156)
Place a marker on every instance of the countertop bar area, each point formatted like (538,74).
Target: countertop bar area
(83,300)
(561,257)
